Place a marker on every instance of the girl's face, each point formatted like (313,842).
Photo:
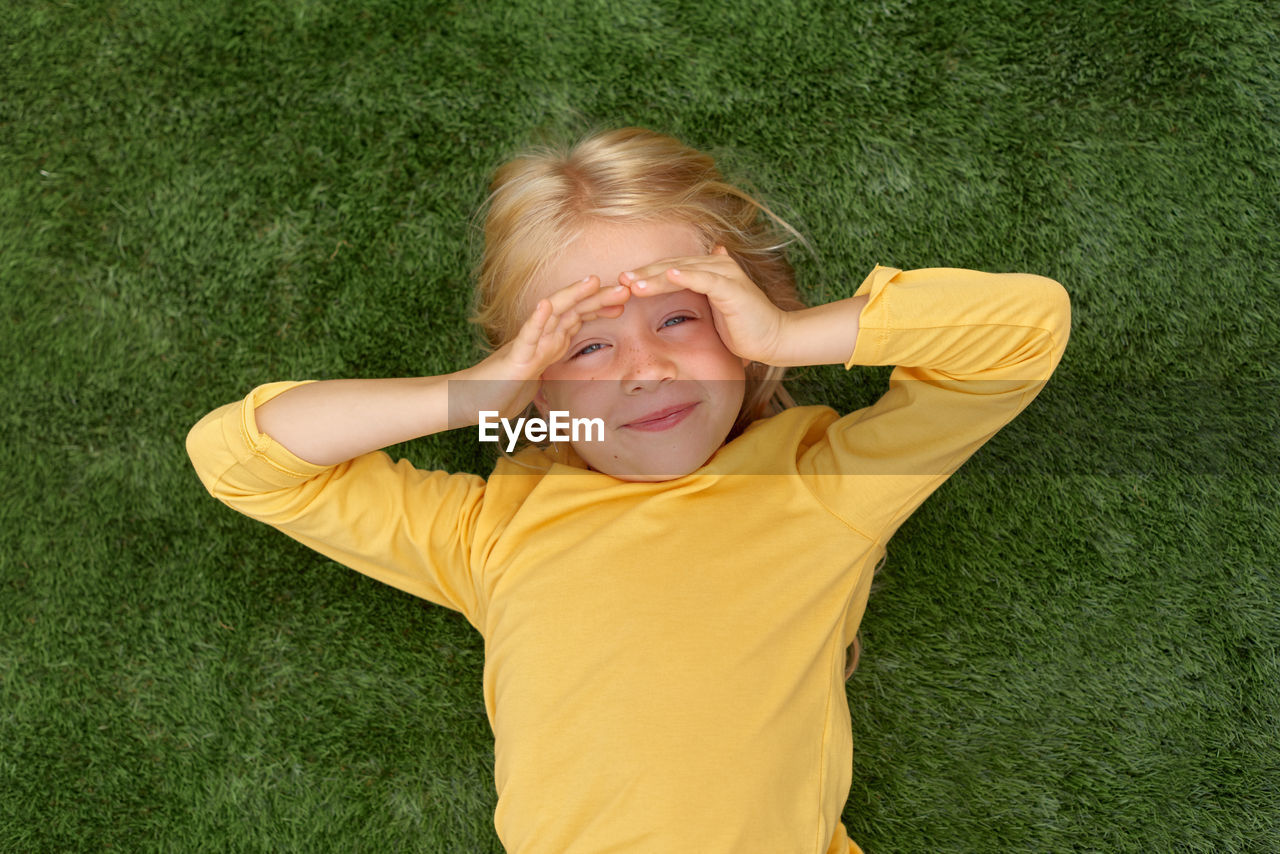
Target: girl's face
(658,375)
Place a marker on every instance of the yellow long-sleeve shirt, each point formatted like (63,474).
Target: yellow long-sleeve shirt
(664,661)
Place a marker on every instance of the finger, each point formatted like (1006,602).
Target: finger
(609,311)
(557,338)
(589,308)
(526,341)
(577,318)
(709,282)
(566,297)
(713,261)
(532,329)
(566,325)
(679,279)
(601,298)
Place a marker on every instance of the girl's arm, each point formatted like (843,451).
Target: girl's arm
(335,420)
(822,335)
(328,422)
(331,421)
(970,351)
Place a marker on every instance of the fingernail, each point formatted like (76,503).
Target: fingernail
(628,275)
(642,284)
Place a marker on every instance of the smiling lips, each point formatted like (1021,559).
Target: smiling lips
(662,419)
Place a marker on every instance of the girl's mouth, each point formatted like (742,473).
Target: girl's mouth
(663,419)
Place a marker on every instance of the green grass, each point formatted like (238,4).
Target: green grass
(1075,644)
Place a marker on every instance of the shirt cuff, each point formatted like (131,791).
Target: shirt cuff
(265,448)
(233,458)
(873,322)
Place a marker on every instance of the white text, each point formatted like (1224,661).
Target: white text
(560,428)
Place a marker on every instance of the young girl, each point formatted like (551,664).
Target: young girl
(668,606)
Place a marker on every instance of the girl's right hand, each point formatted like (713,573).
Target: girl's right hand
(507,380)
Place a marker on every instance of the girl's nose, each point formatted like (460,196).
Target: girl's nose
(646,368)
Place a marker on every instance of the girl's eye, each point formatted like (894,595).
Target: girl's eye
(677,320)
(587,350)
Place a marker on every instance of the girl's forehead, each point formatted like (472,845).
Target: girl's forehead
(607,250)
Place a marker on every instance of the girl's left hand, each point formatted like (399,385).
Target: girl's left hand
(749,324)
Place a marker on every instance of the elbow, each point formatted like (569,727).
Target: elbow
(208,451)
(1052,311)
(1042,312)
(1058,299)
(1060,312)
(196,445)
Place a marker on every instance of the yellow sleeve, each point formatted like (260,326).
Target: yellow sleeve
(406,527)
(970,351)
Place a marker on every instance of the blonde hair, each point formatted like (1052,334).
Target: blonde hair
(544,199)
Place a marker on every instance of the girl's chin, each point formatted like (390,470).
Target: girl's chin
(642,470)
(643,478)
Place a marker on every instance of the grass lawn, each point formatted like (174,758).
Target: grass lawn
(1075,643)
